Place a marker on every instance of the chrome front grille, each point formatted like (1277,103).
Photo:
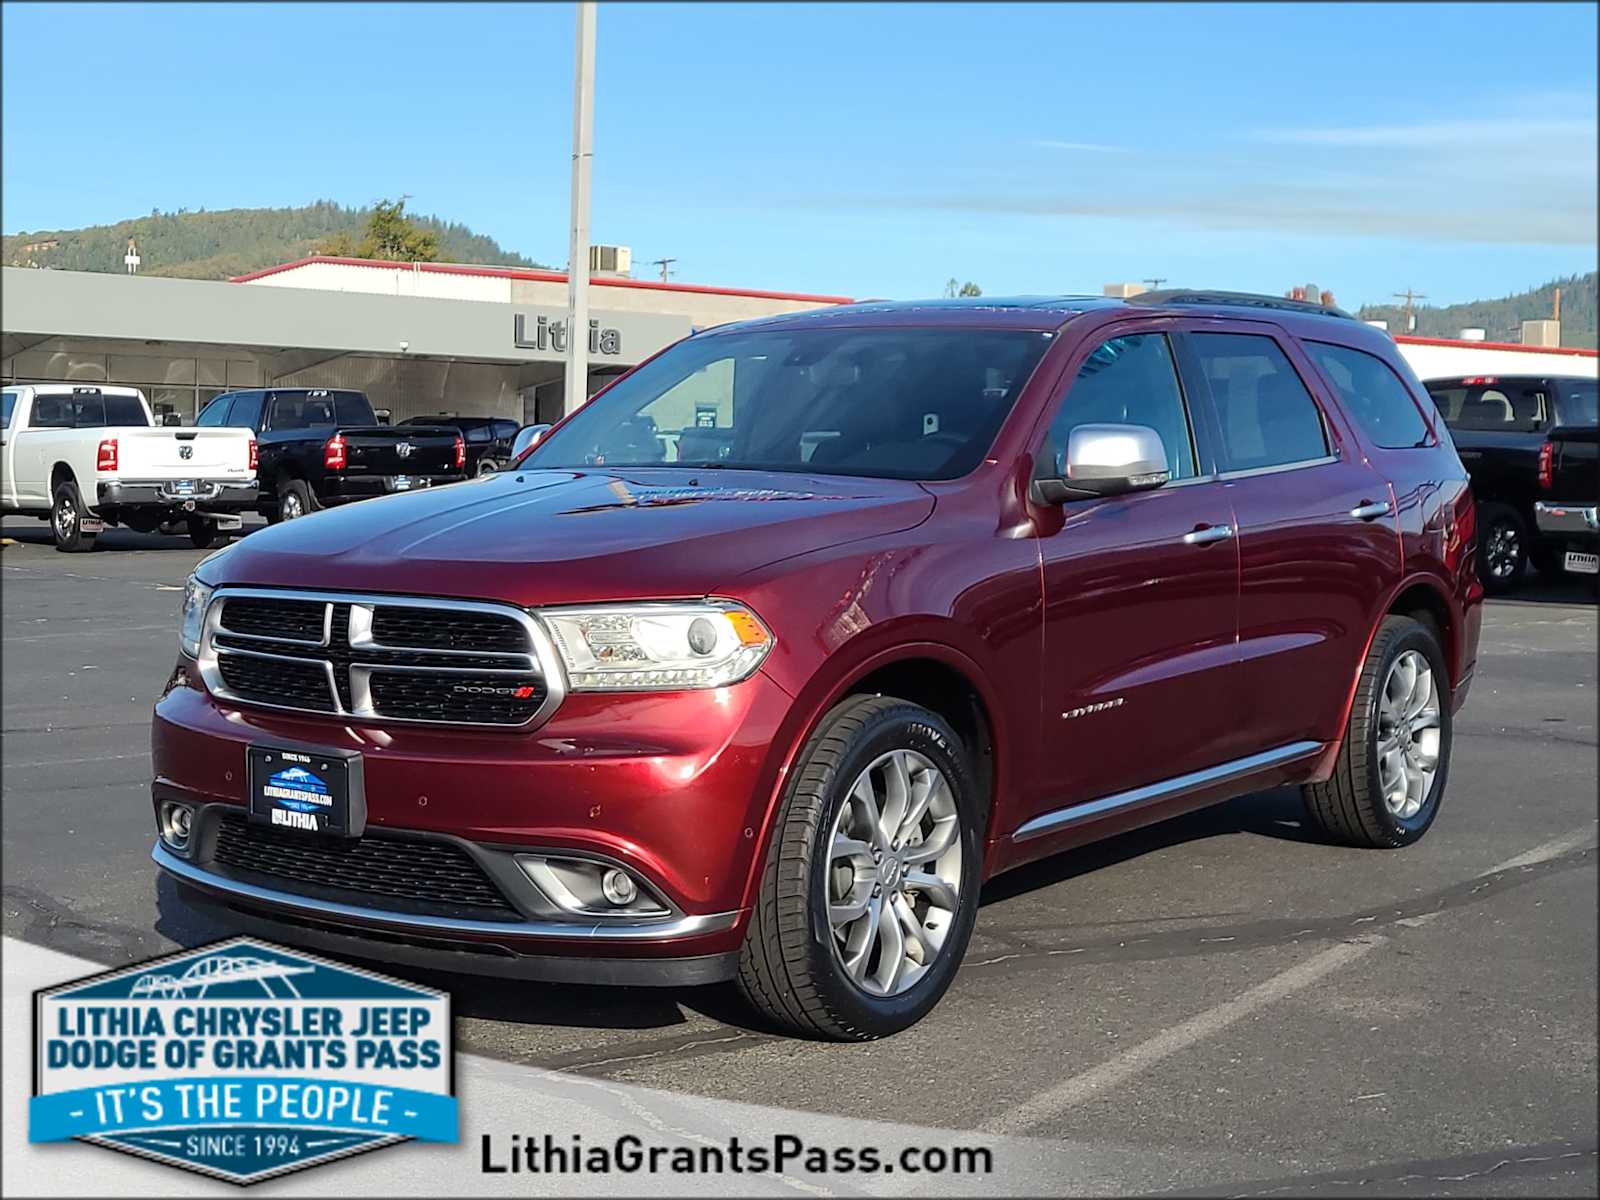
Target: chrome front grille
(380,658)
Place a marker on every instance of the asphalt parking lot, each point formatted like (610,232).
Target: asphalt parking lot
(1266,1013)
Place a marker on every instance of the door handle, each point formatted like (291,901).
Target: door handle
(1211,533)
(1367,510)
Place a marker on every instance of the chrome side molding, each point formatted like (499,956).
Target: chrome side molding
(1065,818)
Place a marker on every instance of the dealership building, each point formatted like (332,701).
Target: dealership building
(425,339)
(419,338)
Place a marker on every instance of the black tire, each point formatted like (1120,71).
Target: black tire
(1546,558)
(204,534)
(1349,808)
(66,520)
(1502,547)
(487,466)
(294,500)
(789,969)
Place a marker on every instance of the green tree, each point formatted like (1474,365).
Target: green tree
(390,235)
(952,289)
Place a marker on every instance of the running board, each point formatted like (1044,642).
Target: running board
(1065,818)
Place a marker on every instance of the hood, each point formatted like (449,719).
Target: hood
(561,537)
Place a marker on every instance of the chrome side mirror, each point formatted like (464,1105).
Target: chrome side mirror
(1107,460)
(527,438)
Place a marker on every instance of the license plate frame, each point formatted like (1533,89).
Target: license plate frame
(1581,562)
(182,489)
(401,483)
(324,793)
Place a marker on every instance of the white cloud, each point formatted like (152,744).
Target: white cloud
(1082,147)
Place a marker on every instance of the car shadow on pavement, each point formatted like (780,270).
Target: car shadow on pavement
(523,1002)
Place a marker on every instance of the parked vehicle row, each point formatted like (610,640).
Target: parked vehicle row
(1532,447)
(937,590)
(83,457)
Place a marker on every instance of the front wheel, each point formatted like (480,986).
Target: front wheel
(488,466)
(1391,769)
(870,886)
(67,518)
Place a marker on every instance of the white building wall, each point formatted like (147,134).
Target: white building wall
(390,281)
(1432,361)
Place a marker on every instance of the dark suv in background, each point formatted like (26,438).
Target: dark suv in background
(488,439)
(1532,446)
(321,447)
(767,657)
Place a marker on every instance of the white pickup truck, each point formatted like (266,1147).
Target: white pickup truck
(83,456)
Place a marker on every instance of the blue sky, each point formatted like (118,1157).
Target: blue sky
(867,151)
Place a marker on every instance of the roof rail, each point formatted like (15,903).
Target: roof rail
(1238,300)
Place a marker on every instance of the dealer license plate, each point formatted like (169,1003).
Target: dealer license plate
(304,791)
(1583,564)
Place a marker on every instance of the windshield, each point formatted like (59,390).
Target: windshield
(892,403)
(1578,405)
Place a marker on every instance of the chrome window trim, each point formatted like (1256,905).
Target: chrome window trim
(1279,468)
(1073,814)
(541,656)
(628,930)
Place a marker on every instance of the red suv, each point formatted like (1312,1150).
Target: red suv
(762,662)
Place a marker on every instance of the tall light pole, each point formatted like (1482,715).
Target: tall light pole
(578,258)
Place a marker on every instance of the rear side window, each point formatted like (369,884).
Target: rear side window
(1578,406)
(1267,417)
(1126,381)
(246,413)
(301,411)
(351,408)
(1373,396)
(477,433)
(216,413)
(506,430)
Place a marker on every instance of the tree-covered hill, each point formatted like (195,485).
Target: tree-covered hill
(1502,319)
(216,245)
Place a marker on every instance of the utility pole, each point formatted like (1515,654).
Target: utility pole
(1155,284)
(577,391)
(663,263)
(1410,297)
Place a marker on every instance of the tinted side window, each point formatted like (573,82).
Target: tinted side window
(1580,402)
(246,413)
(1267,417)
(1126,381)
(1375,399)
(505,430)
(10,407)
(216,413)
(477,433)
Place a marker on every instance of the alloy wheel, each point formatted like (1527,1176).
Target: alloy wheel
(1408,734)
(1502,550)
(66,518)
(894,873)
(290,504)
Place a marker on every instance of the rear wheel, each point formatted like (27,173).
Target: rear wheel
(1502,547)
(1391,769)
(869,891)
(487,466)
(67,516)
(294,499)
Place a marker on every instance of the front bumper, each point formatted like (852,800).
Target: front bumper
(1566,520)
(672,788)
(209,494)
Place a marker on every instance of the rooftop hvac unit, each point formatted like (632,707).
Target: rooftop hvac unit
(1473,335)
(610,260)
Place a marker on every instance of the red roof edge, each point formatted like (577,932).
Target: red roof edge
(542,277)
(1412,340)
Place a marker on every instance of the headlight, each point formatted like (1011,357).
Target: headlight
(657,647)
(196,596)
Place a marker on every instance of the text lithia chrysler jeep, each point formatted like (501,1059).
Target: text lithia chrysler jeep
(763,661)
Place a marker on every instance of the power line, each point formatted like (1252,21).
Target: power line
(1155,284)
(1410,297)
(663,263)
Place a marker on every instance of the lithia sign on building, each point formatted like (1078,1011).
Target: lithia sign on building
(547,333)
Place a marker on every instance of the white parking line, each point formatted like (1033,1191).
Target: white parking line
(1058,1099)
(1554,848)
(67,762)
(109,631)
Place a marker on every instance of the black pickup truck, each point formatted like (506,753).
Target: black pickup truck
(1532,446)
(321,447)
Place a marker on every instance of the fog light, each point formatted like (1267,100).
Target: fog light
(618,887)
(176,823)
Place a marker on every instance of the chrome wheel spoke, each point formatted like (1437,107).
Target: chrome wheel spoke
(893,872)
(1408,734)
(939,893)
